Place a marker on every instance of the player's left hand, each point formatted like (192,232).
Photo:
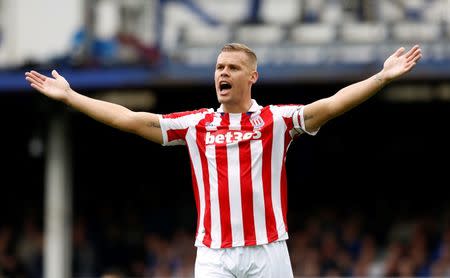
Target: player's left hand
(400,62)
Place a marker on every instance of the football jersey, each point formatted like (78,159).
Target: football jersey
(238,170)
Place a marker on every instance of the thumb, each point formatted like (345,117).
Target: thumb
(55,74)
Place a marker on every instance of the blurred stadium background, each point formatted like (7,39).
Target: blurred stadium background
(79,199)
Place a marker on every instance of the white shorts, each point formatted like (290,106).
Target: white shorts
(267,260)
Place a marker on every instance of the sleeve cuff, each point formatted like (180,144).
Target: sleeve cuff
(299,122)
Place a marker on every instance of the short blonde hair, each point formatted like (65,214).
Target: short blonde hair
(239,47)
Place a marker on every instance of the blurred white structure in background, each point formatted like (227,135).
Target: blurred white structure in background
(37,30)
(178,27)
(350,31)
(107,19)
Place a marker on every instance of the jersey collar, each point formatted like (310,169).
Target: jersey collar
(254,108)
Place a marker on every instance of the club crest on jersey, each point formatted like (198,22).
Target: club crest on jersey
(212,125)
(257,121)
(209,124)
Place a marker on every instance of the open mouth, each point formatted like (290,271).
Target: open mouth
(224,86)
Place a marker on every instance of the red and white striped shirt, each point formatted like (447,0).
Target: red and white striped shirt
(238,170)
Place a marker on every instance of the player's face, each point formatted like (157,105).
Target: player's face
(234,76)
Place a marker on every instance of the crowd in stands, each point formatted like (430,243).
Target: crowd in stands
(157,32)
(179,27)
(325,243)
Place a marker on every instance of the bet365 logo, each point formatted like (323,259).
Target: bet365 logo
(231,136)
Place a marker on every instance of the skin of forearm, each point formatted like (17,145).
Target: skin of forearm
(108,113)
(356,93)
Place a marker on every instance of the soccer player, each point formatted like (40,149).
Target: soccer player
(237,153)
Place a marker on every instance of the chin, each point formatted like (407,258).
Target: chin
(221,99)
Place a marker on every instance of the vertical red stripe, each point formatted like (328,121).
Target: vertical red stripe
(196,197)
(267,137)
(201,133)
(224,195)
(245,161)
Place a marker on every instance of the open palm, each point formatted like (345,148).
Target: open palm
(400,63)
(56,87)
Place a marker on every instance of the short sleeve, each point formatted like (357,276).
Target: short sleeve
(175,126)
(293,117)
(299,122)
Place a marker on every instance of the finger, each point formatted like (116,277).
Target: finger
(417,58)
(38,75)
(29,74)
(55,74)
(409,66)
(415,55)
(37,87)
(34,79)
(399,51)
(412,51)
(33,82)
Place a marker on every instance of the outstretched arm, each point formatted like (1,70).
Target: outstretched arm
(321,111)
(141,123)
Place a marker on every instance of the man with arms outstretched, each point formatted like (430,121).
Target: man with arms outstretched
(237,153)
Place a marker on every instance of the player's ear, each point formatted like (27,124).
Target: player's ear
(254,77)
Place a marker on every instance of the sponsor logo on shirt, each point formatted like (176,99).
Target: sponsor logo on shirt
(231,136)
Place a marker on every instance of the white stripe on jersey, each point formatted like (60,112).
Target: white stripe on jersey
(234,183)
(198,172)
(216,235)
(256,150)
(235,121)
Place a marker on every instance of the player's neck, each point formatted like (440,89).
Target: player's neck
(242,107)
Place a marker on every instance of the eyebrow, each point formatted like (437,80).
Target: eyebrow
(229,64)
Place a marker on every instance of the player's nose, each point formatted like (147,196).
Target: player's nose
(224,72)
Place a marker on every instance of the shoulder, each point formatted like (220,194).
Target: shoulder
(192,113)
(285,110)
(286,106)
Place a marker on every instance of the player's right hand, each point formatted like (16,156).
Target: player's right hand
(56,88)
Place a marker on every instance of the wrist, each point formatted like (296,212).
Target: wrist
(67,97)
(381,78)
